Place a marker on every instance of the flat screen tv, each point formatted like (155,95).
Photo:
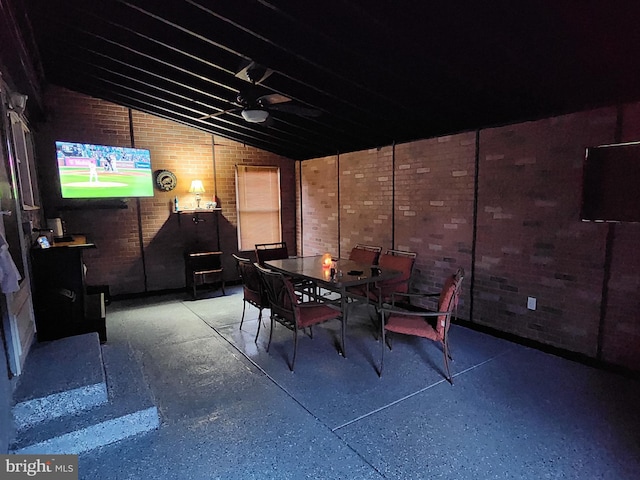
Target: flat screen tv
(101,171)
(611,180)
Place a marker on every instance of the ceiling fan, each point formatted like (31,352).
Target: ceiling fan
(256,108)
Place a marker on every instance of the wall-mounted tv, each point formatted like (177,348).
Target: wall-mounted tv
(101,171)
(611,179)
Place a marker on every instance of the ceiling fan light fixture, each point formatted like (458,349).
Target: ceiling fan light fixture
(255,115)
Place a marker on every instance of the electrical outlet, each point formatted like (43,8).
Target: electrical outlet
(531,303)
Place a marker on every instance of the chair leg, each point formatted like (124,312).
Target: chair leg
(378,313)
(295,349)
(270,334)
(342,329)
(194,286)
(258,329)
(244,306)
(445,352)
(223,292)
(381,353)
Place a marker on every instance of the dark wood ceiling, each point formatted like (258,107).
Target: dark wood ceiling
(374,71)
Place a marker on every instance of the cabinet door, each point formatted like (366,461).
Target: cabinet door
(58,284)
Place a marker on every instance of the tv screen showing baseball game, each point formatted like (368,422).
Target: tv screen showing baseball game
(101,171)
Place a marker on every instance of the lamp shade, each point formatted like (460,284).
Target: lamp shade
(255,116)
(196,186)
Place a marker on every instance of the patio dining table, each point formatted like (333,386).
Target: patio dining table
(347,273)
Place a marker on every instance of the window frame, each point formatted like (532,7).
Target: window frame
(25,162)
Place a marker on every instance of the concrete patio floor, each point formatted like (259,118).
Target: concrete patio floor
(231,410)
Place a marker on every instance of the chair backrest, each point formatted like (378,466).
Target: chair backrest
(282,298)
(271,251)
(366,254)
(252,282)
(448,300)
(401,261)
(239,260)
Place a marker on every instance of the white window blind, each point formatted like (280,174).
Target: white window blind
(258,204)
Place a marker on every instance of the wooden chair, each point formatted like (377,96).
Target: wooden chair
(365,254)
(253,291)
(421,322)
(288,310)
(202,266)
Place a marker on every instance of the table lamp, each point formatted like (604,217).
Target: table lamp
(197,188)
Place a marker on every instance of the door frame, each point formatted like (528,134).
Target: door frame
(16,308)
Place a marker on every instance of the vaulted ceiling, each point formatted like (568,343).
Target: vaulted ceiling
(342,75)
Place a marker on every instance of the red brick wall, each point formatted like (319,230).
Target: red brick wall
(190,154)
(366,198)
(621,329)
(187,153)
(228,154)
(319,197)
(433,204)
(621,332)
(434,191)
(529,239)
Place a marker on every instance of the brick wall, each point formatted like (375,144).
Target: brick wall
(187,153)
(528,240)
(228,154)
(366,199)
(434,190)
(429,211)
(319,197)
(119,260)
(621,327)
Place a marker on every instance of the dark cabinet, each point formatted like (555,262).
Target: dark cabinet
(62,305)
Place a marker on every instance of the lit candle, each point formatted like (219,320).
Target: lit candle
(326,260)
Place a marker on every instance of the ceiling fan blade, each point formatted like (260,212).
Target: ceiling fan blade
(217,114)
(296,109)
(272,99)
